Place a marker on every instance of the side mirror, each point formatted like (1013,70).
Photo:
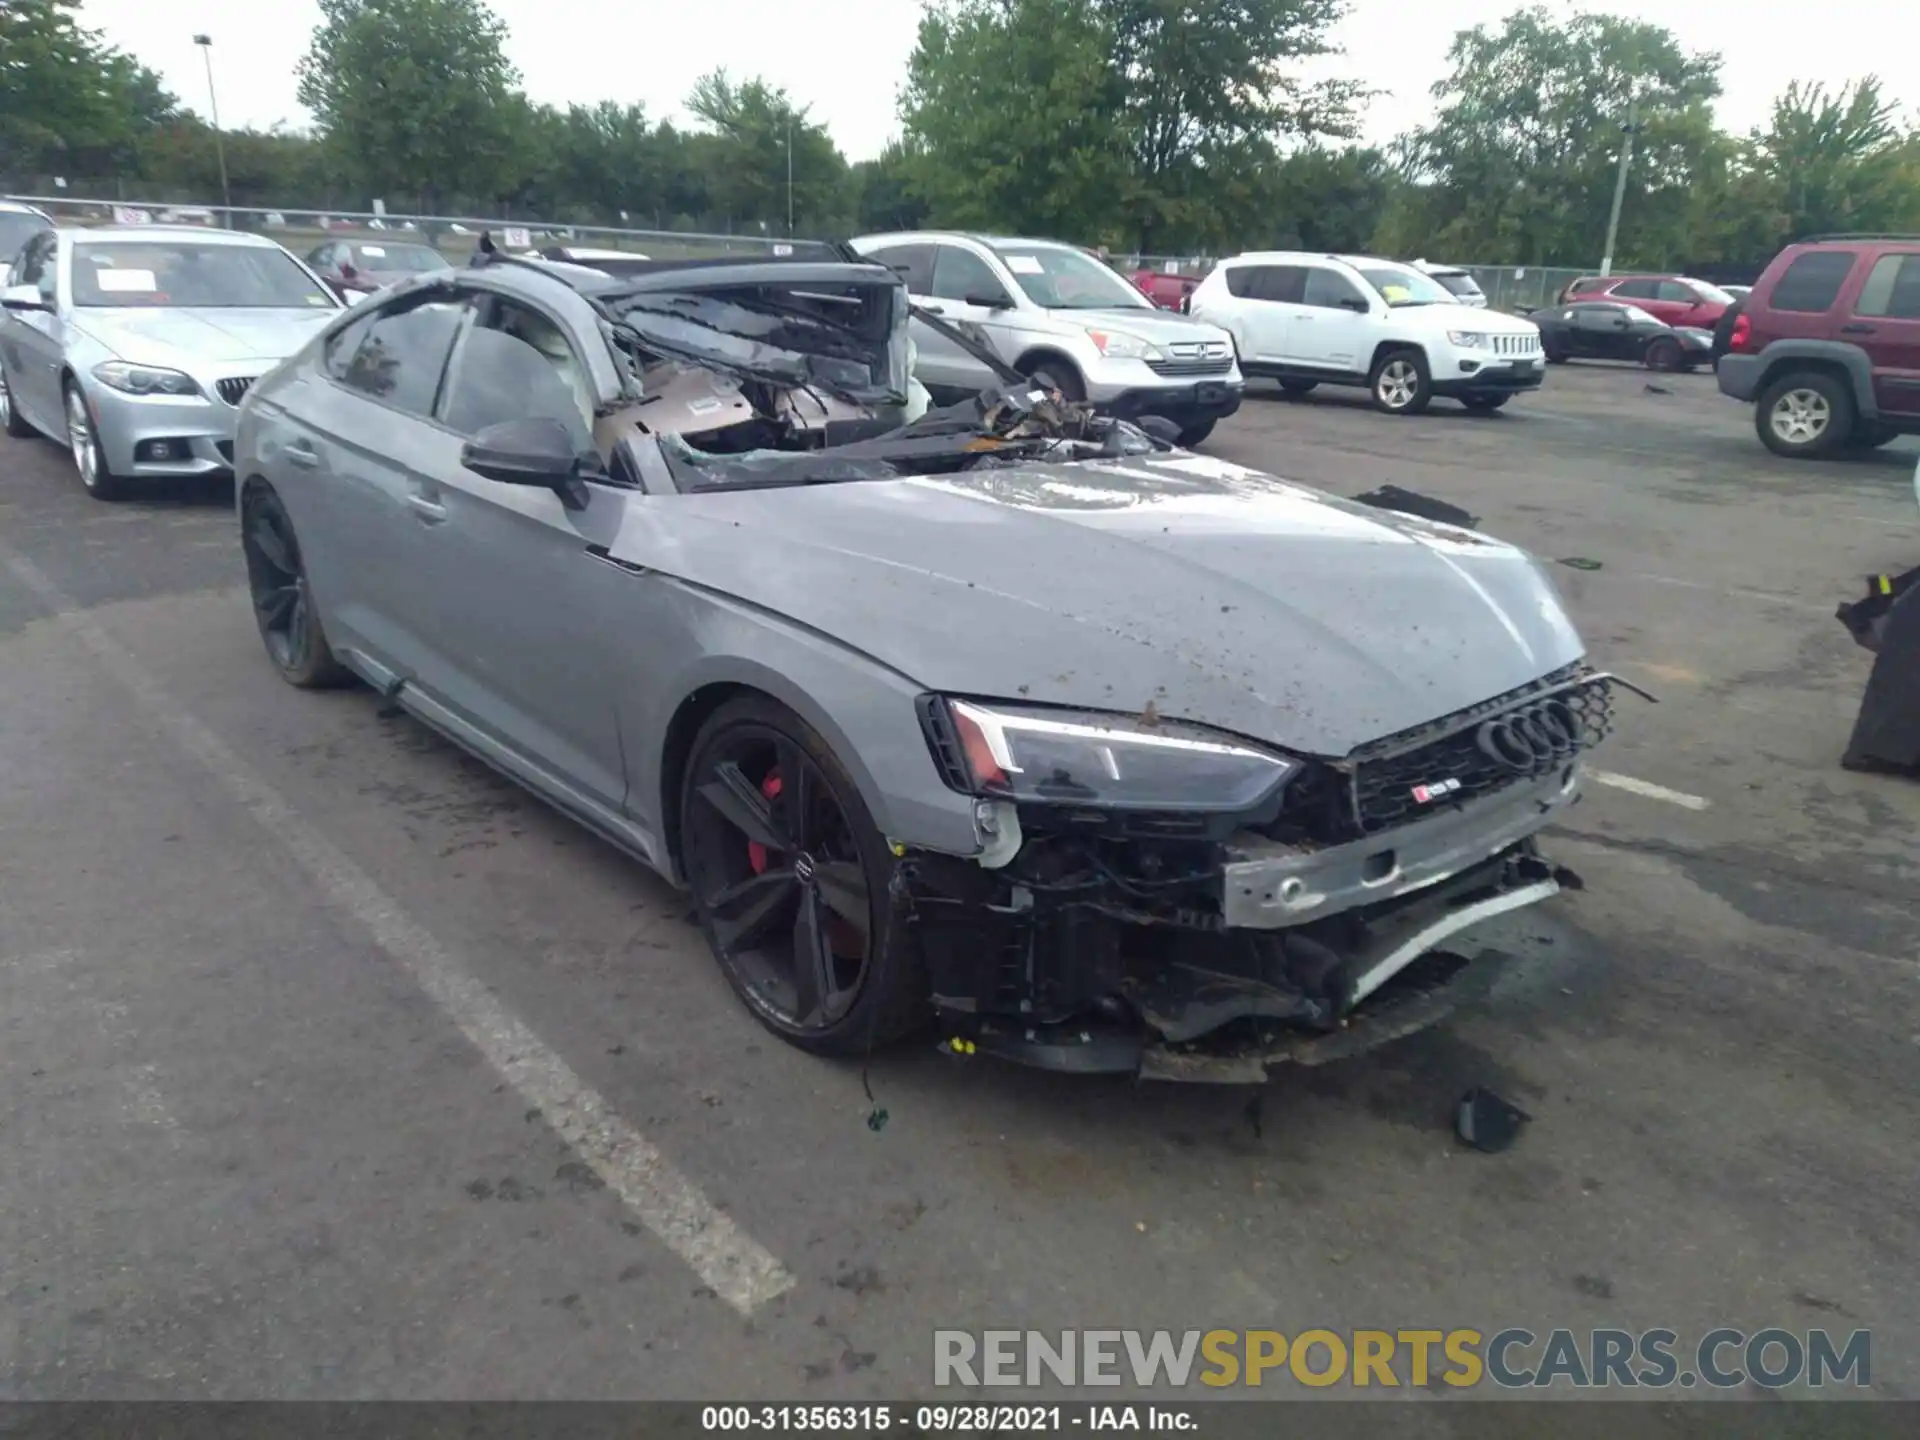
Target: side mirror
(990,302)
(1359,304)
(23,297)
(347,272)
(536,452)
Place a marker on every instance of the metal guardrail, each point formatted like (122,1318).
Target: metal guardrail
(438,228)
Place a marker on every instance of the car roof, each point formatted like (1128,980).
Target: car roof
(641,275)
(21,207)
(1295,257)
(156,234)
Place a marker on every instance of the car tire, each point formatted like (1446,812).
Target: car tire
(282,595)
(1056,375)
(83,443)
(17,425)
(1662,354)
(1298,388)
(1484,404)
(1554,357)
(732,788)
(1400,383)
(1804,414)
(1195,434)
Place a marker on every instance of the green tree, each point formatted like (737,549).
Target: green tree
(884,197)
(751,125)
(413,96)
(1011,112)
(1519,162)
(1206,87)
(1129,121)
(1835,162)
(69,102)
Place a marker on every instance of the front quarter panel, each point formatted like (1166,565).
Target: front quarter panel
(693,636)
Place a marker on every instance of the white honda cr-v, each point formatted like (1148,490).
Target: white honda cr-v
(1308,320)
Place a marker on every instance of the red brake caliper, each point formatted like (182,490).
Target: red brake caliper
(756,852)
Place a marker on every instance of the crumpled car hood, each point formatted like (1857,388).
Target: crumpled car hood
(1214,593)
(165,336)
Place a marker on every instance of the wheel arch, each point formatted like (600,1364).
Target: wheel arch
(1848,363)
(1042,356)
(1389,347)
(872,729)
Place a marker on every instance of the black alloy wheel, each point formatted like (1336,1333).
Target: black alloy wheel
(789,874)
(282,595)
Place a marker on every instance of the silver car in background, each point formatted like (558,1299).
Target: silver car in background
(134,345)
(1055,310)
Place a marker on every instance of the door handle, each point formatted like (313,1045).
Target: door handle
(301,457)
(1856,329)
(430,511)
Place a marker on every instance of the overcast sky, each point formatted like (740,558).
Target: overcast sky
(846,59)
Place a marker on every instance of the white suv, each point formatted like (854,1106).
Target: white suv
(1307,320)
(1047,308)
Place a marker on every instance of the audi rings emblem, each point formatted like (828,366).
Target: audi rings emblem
(1532,739)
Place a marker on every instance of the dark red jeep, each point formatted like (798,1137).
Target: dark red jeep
(1828,345)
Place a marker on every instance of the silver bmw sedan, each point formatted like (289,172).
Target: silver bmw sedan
(134,345)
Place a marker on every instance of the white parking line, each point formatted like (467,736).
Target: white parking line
(739,1270)
(1648,789)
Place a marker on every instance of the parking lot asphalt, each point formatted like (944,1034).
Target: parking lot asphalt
(333,1065)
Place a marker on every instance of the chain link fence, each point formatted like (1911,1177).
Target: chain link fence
(1516,288)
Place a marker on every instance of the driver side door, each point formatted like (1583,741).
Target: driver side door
(35,339)
(1335,324)
(528,618)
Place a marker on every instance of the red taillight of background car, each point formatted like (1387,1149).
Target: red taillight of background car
(1741,335)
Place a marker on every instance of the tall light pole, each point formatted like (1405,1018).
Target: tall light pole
(789,173)
(1627,131)
(205,42)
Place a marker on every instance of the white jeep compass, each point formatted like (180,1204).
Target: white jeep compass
(1308,320)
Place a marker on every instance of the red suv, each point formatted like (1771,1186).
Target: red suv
(1677,299)
(1828,345)
(1168,290)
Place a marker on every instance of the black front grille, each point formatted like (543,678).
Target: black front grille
(1170,368)
(1405,778)
(234,389)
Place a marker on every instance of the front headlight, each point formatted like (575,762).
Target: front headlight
(1126,762)
(1470,339)
(144,379)
(1118,345)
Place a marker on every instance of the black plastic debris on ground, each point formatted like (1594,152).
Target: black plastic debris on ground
(1487,1122)
(1579,562)
(1424,507)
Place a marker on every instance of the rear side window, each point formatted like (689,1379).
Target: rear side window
(1285,283)
(1585,285)
(1812,282)
(1892,290)
(403,355)
(912,263)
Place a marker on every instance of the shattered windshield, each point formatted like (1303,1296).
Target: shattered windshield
(1058,277)
(848,339)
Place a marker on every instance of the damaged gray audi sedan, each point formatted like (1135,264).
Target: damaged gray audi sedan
(1109,756)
